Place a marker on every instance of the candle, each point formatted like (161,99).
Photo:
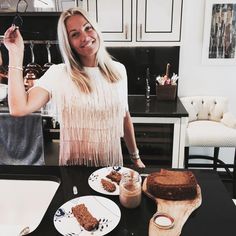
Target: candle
(167,70)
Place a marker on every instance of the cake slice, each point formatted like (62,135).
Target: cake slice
(108,186)
(84,217)
(172,185)
(114,176)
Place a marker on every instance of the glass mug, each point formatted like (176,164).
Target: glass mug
(130,189)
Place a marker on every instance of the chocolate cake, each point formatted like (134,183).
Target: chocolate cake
(114,176)
(108,186)
(84,217)
(172,185)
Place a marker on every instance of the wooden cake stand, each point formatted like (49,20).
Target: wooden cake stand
(179,210)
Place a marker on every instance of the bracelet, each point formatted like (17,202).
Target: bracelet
(15,67)
(135,155)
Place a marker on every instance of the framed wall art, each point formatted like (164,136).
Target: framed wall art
(219,39)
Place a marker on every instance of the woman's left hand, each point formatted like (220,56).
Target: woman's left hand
(138,163)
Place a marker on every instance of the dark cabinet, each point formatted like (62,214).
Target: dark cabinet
(155,144)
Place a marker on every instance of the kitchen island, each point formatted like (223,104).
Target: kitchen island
(216,215)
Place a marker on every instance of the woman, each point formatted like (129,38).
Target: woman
(89,90)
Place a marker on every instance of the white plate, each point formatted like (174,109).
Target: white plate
(103,209)
(94,179)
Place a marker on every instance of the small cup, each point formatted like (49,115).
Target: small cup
(130,189)
(163,220)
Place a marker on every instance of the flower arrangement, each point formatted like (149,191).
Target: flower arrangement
(166,80)
(166,87)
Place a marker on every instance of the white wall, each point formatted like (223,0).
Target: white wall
(197,78)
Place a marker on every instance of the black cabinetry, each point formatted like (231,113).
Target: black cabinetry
(155,144)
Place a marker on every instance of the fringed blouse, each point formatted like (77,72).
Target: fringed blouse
(91,125)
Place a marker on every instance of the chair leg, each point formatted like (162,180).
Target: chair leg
(186,157)
(234,176)
(216,155)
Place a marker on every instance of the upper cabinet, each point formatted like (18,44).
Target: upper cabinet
(159,20)
(122,22)
(138,22)
(114,18)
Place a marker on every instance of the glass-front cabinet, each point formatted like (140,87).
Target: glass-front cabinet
(155,143)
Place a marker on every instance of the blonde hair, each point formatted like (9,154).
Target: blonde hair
(73,64)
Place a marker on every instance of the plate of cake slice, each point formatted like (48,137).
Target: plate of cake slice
(87,215)
(106,180)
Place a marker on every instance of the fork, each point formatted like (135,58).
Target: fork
(24,231)
(71,234)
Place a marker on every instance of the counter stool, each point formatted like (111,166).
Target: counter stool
(210,125)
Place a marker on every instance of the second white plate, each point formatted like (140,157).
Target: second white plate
(104,209)
(94,179)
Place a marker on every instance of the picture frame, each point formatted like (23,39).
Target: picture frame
(219,38)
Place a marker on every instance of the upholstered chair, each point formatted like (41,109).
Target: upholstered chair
(210,124)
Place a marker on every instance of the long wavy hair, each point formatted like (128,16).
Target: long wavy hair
(71,59)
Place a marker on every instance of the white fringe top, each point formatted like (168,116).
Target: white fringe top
(91,125)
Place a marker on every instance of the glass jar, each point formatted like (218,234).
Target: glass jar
(130,189)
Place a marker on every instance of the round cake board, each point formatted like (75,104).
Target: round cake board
(179,210)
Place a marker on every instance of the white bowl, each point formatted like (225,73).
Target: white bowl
(3,91)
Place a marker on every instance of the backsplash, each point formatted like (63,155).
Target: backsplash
(138,59)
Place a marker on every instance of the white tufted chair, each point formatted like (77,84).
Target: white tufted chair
(210,125)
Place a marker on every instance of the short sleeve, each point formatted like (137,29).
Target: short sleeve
(49,80)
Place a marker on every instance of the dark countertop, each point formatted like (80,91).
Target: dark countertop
(216,215)
(139,107)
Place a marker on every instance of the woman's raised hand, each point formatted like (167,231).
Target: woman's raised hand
(13,40)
